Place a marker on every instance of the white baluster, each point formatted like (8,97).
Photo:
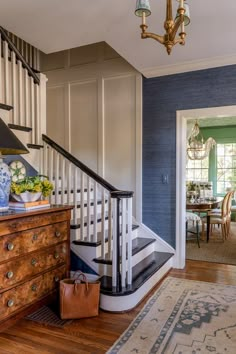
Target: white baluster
(123,243)
(68,180)
(114,253)
(82,206)
(45,159)
(26,98)
(103,221)
(14,86)
(37,115)
(38,60)
(88,208)
(27,52)
(95,211)
(32,110)
(109,227)
(75,193)
(7,77)
(63,181)
(20,93)
(129,238)
(57,178)
(50,167)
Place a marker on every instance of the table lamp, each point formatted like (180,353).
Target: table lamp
(9,145)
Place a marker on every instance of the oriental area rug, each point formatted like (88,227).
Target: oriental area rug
(183,317)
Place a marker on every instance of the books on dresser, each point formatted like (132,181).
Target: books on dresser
(29,205)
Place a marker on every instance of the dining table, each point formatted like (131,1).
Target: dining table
(204,206)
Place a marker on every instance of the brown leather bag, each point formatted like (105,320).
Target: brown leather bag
(79,298)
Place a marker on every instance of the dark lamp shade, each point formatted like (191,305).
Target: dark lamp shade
(9,143)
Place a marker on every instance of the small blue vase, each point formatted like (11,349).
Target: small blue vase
(5,185)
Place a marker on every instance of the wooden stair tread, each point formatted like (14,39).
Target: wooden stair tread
(93,243)
(141,273)
(19,127)
(6,107)
(138,244)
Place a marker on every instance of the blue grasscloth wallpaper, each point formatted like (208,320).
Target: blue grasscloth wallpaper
(162,97)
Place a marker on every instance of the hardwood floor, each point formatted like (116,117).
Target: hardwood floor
(96,335)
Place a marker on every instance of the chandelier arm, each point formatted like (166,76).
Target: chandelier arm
(158,38)
(180,41)
(177,24)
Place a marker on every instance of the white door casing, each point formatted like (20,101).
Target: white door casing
(181,120)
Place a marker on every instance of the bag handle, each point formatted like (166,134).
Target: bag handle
(84,279)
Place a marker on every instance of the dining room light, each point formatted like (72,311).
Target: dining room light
(171,25)
(197,148)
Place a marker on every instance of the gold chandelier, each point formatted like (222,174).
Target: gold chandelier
(171,26)
(197,149)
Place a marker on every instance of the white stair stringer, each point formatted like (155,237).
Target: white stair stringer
(127,302)
(160,244)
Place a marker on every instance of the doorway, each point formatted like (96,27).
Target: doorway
(181,130)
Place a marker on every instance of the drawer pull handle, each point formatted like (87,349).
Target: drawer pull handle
(10,303)
(10,246)
(56,255)
(9,275)
(35,237)
(33,262)
(34,287)
(56,278)
(57,234)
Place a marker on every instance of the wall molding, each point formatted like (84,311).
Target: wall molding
(188,66)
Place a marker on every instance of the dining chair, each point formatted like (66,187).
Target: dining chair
(196,221)
(219,217)
(217,212)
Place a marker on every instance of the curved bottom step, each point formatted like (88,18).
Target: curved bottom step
(128,300)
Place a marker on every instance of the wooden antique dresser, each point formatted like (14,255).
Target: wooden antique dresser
(34,257)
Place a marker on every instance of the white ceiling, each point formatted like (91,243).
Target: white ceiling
(53,25)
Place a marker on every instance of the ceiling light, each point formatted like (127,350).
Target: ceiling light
(197,149)
(171,26)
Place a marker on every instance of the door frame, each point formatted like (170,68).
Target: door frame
(181,133)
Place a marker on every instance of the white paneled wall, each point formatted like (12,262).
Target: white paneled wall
(94,101)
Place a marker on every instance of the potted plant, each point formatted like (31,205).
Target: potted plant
(31,188)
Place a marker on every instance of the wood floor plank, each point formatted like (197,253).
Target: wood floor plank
(96,335)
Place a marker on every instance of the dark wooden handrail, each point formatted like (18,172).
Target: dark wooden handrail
(114,192)
(19,56)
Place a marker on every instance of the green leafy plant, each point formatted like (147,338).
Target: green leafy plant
(39,183)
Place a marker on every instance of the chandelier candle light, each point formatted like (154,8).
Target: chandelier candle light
(171,26)
(198,149)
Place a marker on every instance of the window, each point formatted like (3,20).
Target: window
(226,167)
(197,170)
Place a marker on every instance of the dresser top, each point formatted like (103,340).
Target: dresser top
(12,214)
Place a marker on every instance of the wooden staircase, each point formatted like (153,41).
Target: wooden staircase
(124,255)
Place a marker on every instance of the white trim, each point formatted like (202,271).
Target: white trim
(181,119)
(139,148)
(189,66)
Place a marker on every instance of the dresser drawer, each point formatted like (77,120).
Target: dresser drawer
(30,265)
(20,243)
(30,222)
(19,297)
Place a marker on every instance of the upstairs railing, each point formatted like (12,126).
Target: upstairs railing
(102,212)
(20,88)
